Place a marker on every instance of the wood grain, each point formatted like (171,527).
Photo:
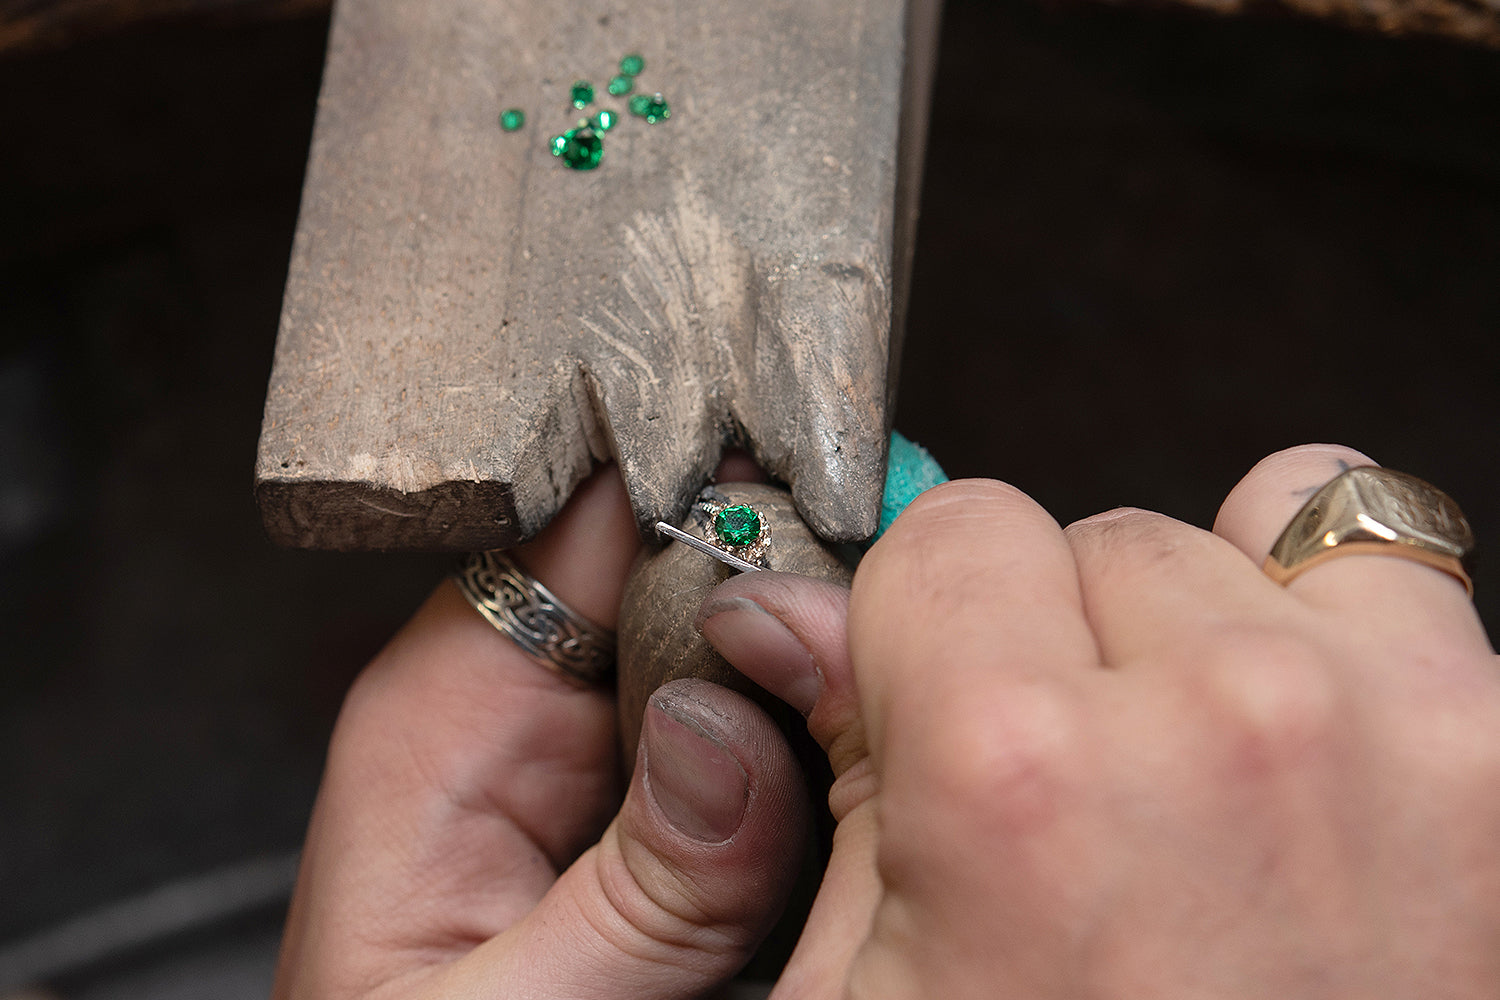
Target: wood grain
(468,325)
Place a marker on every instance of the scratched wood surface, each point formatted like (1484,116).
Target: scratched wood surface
(468,325)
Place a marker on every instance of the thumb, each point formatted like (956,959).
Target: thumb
(788,634)
(687,880)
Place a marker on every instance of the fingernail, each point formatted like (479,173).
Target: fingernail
(697,782)
(760,646)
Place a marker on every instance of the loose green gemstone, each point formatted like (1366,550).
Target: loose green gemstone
(654,108)
(737,525)
(512,119)
(621,85)
(604,120)
(580,148)
(582,94)
(632,65)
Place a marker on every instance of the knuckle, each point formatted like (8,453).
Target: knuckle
(947,511)
(996,775)
(1273,700)
(658,912)
(1127,539)
(1002,766)
(1452,721)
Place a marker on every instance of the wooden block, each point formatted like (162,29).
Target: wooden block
(469,325)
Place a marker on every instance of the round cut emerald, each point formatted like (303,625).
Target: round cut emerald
(737,525)
(654,108)
(582,94)
(621,85)
(638,105)
(632,65)
(579,148)
(512,119)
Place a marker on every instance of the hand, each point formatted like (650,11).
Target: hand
(1116,760)
(463,842)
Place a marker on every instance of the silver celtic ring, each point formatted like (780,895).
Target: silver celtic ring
(546,629)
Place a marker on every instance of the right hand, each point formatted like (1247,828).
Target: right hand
(1118,761)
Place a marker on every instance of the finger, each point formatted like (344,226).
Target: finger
(462,776)
(788,634)
(1383,593)
(585,554)
(976,583)
(976,670)
(1159,592)
(686,881)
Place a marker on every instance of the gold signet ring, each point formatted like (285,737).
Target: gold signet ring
(1379,512)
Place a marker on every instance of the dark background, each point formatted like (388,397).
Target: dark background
(1154,247)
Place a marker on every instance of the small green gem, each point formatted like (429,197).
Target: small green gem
(512,119)
(580,148)
(604,120)
(654,108)
(632,65)
(582,94)
(737,525)
(621,85)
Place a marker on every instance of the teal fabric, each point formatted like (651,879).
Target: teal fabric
(909,472)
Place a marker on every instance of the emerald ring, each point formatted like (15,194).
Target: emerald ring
(733,533)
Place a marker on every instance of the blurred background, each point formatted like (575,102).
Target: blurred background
(1154,246)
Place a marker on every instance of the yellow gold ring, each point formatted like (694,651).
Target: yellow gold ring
(1375,511)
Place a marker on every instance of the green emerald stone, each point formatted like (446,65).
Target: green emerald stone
(512,119)
(604,120)
(579,148)
(632,65)
(582,94)
(737,525)
(621,85)
(654,108)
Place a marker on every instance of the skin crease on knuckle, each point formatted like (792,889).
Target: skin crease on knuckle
(1271,701)
(997,769)
(657,912)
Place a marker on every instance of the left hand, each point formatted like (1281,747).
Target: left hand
(466,840)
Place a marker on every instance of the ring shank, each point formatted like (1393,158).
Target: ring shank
(544,628)
(1449,564)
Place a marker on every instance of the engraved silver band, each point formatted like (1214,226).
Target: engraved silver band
(545,628)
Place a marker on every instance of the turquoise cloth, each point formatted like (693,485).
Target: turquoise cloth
(910,471)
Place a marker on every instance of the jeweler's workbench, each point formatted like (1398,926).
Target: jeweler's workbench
(469,325)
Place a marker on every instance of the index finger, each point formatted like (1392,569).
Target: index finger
(970,602)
